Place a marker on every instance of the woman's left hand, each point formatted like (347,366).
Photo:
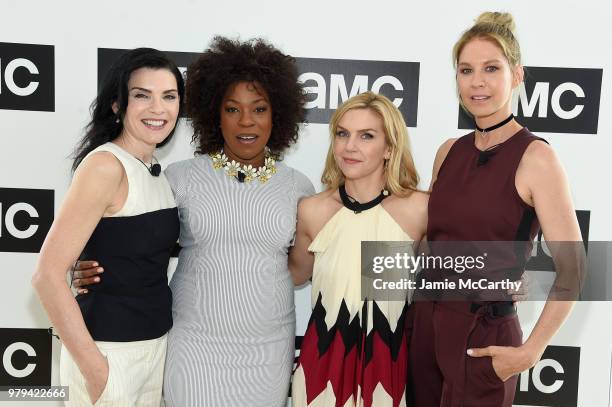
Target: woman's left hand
(506,360)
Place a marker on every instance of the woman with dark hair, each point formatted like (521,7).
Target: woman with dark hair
(110,107)
(120,210)
(232,343)
(233,339)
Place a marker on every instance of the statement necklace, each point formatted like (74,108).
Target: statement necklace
(243,172)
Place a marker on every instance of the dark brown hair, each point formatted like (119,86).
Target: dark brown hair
(227,62)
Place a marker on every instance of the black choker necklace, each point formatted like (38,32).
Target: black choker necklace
(483,132)
(357,207)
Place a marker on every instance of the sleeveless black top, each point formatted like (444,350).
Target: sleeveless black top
(133,301)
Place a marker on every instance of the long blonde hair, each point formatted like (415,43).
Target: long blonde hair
(401,177)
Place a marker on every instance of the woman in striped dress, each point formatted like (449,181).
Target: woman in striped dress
(232,343)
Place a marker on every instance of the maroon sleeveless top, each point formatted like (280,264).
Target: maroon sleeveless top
(476,201)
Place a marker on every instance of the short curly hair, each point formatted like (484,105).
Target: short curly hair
(227,62)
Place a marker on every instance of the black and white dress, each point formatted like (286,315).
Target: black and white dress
(130,311)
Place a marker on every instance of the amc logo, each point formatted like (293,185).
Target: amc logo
(553,381)
(25,218)
(555,100)
(27,77)
(26,357)
(541,259)
(329,82)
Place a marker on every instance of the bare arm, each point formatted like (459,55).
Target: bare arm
(301,260)
(551,197)
(94,186)
(548,189)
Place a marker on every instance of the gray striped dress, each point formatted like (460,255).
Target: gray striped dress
(232,343)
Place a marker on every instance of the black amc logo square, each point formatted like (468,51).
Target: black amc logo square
(27,77)
(555,100)
(329,82)
(25,218)
(553,381)
(26,357)
(541,260)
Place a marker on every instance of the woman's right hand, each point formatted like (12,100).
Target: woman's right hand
(96,382)
(86,272)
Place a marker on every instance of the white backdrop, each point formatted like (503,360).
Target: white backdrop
(34,145)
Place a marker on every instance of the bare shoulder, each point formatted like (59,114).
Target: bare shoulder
(410,212)
(539,163)
(415,201)
(102,167)
(314,202)
(445,148)
(419,199)
(540,154)
(316,210)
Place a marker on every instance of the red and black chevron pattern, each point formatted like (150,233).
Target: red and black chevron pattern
(349,357)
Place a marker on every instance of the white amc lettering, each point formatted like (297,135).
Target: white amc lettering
(8,354)
(540,97)
(536,377)
(9,73)
(10,220)
(338,91)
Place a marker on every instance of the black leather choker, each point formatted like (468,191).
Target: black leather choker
(357,207)
(483,132)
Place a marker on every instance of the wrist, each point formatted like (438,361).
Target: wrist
(93,365)
(531,353)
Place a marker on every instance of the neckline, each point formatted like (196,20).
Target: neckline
(495,146)
(351,203)
(345,212)
(153,168)
(132,155)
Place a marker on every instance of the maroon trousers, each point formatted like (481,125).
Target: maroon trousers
(442,373)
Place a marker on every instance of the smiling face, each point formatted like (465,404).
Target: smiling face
(360,146)
(485,81)
(153,106)
(246,122)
